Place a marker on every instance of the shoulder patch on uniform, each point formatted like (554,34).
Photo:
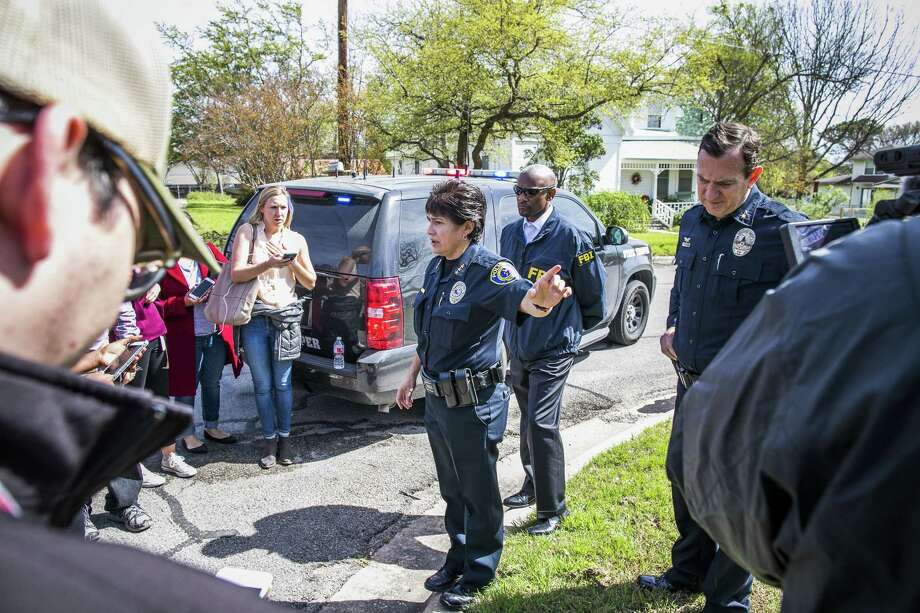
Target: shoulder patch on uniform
(585,257)
(503,273)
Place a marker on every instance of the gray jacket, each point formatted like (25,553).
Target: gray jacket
(287,321)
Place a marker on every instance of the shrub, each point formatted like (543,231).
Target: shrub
(620,209)
(243,198)
(677,218)
(219,239)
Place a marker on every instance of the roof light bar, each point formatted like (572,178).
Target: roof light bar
(496,174)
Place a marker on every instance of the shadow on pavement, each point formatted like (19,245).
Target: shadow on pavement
(328,533)
(659,406)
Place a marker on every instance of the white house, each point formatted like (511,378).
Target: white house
(861,182)
(644,155)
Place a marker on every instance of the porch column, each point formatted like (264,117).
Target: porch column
(655,174)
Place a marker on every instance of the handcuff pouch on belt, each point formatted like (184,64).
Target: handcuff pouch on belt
(459,387)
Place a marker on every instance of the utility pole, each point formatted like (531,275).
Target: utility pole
(342,89)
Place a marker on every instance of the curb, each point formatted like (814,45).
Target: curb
(663,260)
(397,570)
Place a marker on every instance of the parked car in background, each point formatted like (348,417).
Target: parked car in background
(368,243)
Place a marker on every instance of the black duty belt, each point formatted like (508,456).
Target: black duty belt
(459,387)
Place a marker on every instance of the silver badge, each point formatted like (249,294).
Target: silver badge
(457,292)
(743,242)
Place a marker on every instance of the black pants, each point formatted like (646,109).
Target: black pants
(538,387)
(697,562)
(152,370)
(464,441)
(122,492)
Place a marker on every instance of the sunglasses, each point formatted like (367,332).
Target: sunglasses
(530,192)
(158,242)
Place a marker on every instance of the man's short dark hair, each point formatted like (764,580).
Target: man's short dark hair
(727,136)
(95,162)
(460,202)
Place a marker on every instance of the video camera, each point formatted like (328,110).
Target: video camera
(902,162)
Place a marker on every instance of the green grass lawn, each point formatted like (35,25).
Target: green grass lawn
(621,525)
(662,243)
(214,218)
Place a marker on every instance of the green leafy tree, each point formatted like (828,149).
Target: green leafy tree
(738,74)
(456,74)
(568,148)
(250,50)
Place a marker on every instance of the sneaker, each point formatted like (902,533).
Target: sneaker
(90,531)
(134,518)
(174,464)
(151,479)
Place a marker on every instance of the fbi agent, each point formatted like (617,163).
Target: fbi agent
(729,254)
(542,350)
(459,311)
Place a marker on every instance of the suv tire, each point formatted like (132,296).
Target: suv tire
(629,324)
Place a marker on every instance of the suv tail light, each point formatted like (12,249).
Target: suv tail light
(384,313)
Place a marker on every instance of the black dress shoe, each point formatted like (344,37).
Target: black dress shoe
(202,448)
(547,525)
(661,583)
(442,580)
(226,440)
(459,597)
(519,500)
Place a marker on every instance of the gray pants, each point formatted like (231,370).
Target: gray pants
(538,387)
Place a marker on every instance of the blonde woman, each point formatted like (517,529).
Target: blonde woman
(271,339)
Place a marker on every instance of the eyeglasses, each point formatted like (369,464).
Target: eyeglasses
(530,192)
(158,243)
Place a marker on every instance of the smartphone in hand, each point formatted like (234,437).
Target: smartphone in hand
(125,360)
(200,290)
(287,256)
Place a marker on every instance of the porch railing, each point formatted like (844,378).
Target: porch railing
(664,212)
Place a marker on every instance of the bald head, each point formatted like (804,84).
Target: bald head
(535,189)
(539,175)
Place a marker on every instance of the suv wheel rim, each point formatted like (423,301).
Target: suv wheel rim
(634,313)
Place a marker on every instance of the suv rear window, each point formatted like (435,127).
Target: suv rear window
(339,234)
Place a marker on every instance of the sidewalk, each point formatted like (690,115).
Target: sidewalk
(397,571)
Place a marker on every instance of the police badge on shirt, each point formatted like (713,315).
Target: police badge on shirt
(743,242)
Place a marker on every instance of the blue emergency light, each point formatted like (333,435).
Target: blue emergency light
(343,199)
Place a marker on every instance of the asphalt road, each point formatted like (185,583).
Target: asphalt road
(360,475)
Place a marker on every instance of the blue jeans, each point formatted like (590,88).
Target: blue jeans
(210,356)
(271,378)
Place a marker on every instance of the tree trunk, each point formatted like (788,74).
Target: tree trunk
(463,147)
(342,89)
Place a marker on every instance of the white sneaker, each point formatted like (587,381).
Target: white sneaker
(151,479)
(174,464)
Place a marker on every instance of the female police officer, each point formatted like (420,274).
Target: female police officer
(467,292)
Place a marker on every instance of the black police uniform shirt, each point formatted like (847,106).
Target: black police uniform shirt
(460,309)
(724,267)
(557,242)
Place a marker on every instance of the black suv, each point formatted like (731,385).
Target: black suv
(368,243)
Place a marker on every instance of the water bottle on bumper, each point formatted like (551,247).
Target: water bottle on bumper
(338,351)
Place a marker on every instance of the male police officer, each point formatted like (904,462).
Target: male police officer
(84,125)
(542,350)
(729,254)
(820,388)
